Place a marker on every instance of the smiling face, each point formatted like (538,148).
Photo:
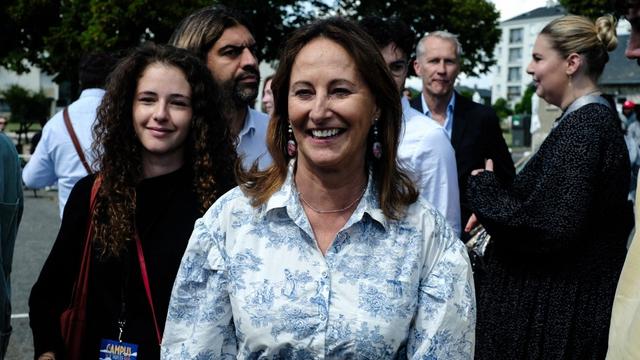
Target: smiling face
(162,112)
(234,65)
(438,67)
(330,108)
(548,69)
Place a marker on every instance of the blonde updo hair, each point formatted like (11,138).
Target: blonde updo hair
(576,34)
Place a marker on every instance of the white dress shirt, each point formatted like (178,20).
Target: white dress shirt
(425,150)
(55,157)
(254,285)
(252,140)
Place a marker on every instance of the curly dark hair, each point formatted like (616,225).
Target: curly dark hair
(209,146)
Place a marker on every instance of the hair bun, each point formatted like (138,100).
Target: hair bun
(606,31)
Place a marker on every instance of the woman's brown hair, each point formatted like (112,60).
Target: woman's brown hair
(395,189)
(209,149)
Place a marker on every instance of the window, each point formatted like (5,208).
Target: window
(514,74)
(513,93)
(515,54)
(515,36)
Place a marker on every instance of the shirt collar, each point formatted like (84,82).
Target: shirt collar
(249,124)
(288,197)
(92,92)
(449,116)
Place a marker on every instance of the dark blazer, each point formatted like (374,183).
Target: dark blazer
(475,136)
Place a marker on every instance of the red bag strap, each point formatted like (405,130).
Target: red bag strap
(81,287)
(74,139)
(147,288)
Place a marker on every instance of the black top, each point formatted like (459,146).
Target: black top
(166,209)
(558,244)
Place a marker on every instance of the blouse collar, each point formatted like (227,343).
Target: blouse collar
(288,197)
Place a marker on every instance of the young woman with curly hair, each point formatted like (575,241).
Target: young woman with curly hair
(164,155)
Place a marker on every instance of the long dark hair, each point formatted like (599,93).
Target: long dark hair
(209,148)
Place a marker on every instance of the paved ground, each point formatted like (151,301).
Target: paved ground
(40,223)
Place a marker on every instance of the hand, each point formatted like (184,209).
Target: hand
(49,355)
(488,165)
(473,222)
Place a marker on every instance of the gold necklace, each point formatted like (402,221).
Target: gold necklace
(333,211)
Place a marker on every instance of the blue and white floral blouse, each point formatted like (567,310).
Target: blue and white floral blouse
(253,284)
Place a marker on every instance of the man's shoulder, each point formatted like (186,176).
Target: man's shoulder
(465,104)
(257,115)
(259,121)
(423,134)
(414,120)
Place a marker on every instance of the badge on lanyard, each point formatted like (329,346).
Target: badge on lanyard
(117,350)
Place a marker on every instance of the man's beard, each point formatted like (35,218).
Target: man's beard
(240,94)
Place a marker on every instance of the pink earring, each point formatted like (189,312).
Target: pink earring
(377,147)
(292,148)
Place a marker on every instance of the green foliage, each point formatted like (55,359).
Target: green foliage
(475,21)
(502,109)
(55,34)
(27,108)
(467,93)
(524,106)
(589,8)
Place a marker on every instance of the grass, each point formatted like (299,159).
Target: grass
(14,126)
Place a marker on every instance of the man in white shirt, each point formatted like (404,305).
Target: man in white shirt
(424,149)
(222,39)
(55,158)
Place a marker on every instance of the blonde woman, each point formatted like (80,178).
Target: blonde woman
(559,232)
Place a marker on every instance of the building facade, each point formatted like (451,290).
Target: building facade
(34,81)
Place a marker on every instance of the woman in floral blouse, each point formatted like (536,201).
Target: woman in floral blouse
(328,253)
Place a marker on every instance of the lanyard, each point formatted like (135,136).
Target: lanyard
(145,280)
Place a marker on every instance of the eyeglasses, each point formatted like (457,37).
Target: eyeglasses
(398,68)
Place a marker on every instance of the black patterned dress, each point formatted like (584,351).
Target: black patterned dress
(558,244)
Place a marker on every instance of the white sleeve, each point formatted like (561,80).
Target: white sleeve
(40,171)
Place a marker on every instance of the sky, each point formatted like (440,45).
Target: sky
(507,9)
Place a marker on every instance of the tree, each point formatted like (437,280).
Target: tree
(26,108)
(501,107)
(524,106)
(54,34)
(589,8)
(475,21)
